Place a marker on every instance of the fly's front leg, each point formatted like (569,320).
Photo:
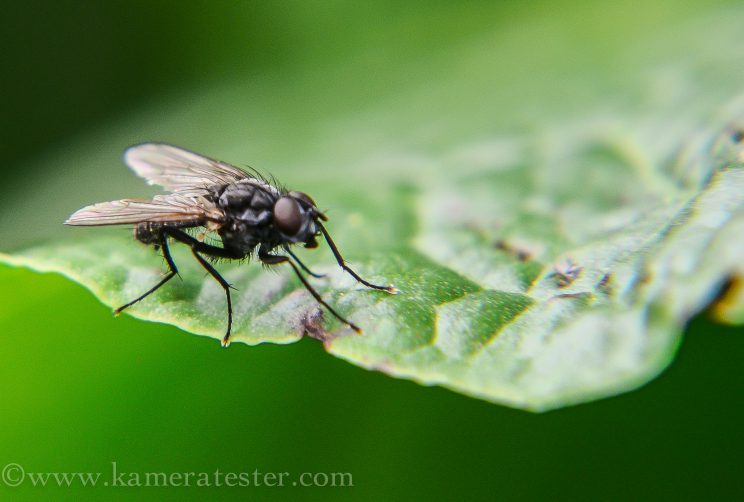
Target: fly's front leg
(302,265)
(272,259)
(342,263)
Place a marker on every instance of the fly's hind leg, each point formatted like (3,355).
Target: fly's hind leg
(172,271)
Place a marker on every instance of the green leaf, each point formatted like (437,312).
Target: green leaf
(549,250)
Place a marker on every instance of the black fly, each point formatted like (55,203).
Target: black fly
(246,212)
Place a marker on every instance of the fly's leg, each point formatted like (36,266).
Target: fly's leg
(302,265)
(390,289)
(200,247)
(271,259)
(225,285)
(172,271)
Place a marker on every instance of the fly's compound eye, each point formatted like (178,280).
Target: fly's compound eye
(287,216)
(303,197)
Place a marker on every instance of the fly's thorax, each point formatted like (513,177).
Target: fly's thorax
(247,202)
(238,236)
(258,213)
(248,209)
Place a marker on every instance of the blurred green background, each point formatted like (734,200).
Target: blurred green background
(81,389)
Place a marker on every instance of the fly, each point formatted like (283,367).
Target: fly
(248,213)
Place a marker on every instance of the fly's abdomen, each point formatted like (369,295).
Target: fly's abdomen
(148,233)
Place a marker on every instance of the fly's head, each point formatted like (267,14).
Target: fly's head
(296,218)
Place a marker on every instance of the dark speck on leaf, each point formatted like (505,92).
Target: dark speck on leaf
(518,252)
(566,272)
(606,284)
(312,324)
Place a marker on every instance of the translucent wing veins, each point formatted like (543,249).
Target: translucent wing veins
(190,177)
(180,170)
(162,208)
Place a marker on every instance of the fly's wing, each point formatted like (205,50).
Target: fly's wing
(179,170)
(171,208)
